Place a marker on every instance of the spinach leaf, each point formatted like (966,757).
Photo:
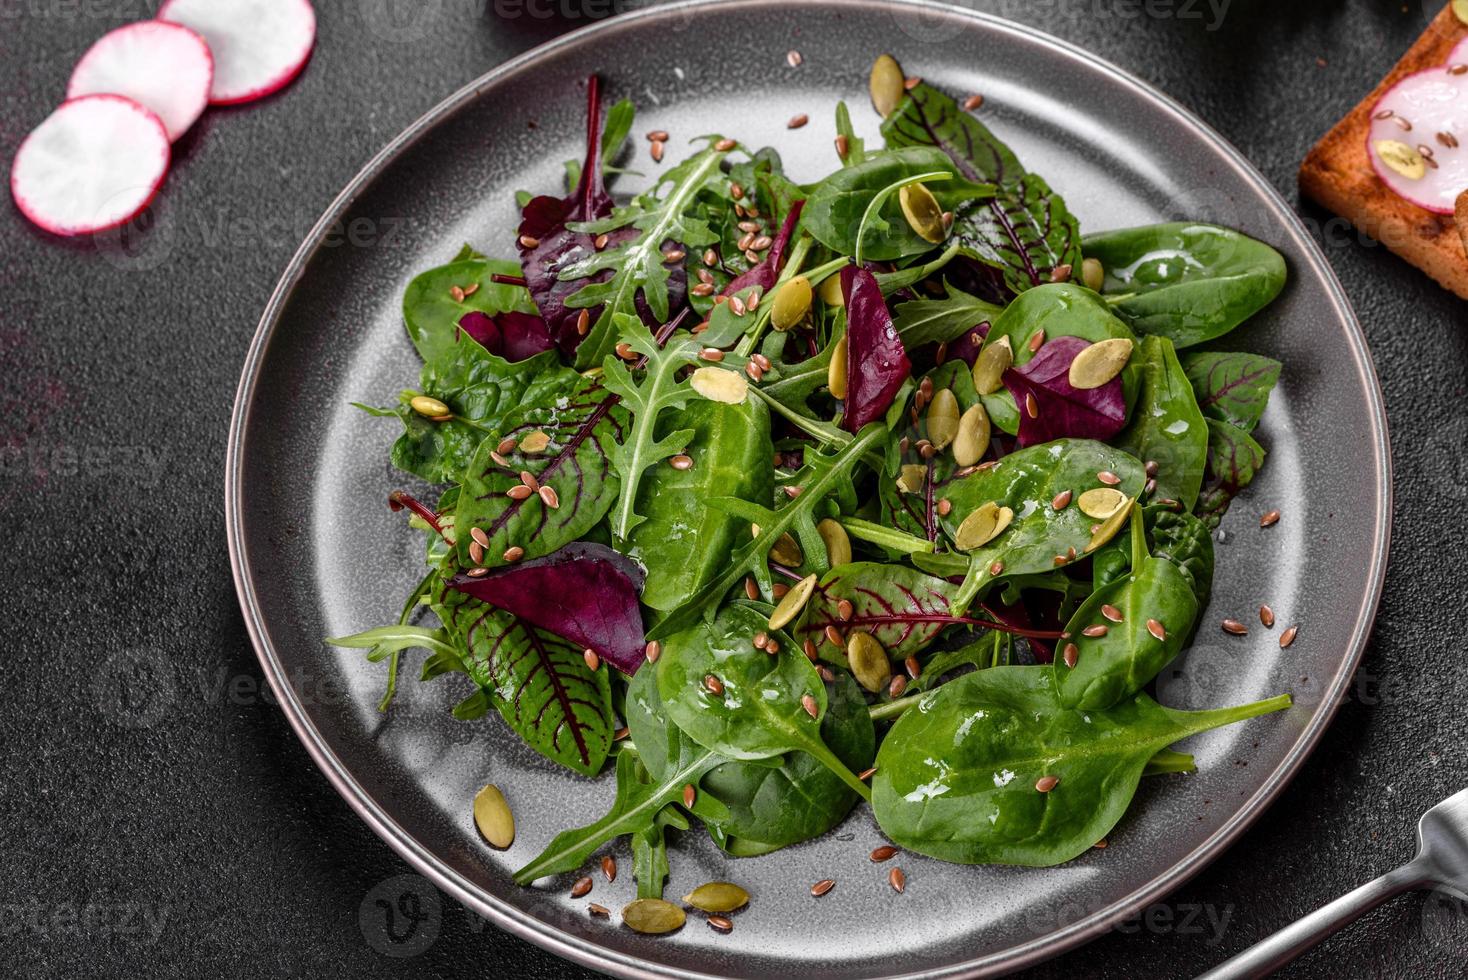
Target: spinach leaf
(1177,536)
(660,391)
(902,608)
(739,701)
(931,321)
(432,313)
(835,210)
(1027,482)
(956,776)
(1126,655)
(1167,426)
(480,390)
(635,256)
(1233,459)
(1185,280)
(539,682)
(684,543)
(773,524)
(1231,387)
(1056,310)
(1025,230)
(583,430)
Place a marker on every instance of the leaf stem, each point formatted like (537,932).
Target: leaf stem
(881,196)
(892,709)
(885,537)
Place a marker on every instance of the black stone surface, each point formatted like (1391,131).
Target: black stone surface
(165,822)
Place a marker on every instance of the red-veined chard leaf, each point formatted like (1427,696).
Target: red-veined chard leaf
(582,429)
(585,593)
(1233,459)
(1050,408)
(539,682)
(1231,387)
(1025,230)
(901,607)
(515,336)
(876,361)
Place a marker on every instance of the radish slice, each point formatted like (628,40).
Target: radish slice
(258,45)
(1415,141)
(92,165)
(166,67)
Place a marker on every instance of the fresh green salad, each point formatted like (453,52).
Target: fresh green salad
(889,488)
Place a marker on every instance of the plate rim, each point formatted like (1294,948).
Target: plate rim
(590,954)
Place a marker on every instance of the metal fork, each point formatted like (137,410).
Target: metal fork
(1442,861)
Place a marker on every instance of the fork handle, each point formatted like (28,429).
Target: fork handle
(1263,958)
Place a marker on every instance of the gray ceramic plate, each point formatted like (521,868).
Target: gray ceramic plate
(316,552)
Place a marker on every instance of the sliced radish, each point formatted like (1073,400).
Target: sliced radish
(92,165)
(258,45)
(166,67)
(1417,136)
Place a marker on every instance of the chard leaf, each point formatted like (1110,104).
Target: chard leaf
(904,609)
(1025,230)
(513,336)
(956,776)
(1060,411)
(539,682)
(876,360)
(432,314)
(1233,460)
(583,428)
(584,593)
(633,262)
(1231,387)
(660,391)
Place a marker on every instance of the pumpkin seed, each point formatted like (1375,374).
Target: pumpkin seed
(791,303)
(943,419)
(1401,158)
(534,442)
(1101,502)
(493,817)
(838,542)
(836,370)
(653,916)
(1093,274)
(1460,10)
(830,290)
(1110,526)
(790,607)
(719,385)
(992,362)
(1099,363)
(887,85)
(869,662)
(910,478)
(717,896)
(984,524)
(428,407)
(923,212)
(785,551)
(972,439)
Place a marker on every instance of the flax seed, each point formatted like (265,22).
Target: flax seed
(520,492)
(1109,478)
(797,121)
(528,479)
(897,880)
(721,923)
(866,774)
(841,146)
(1157,630)
(1046,783)
(681,462)
(793,58)
(480,538)
(712,684)
(582,886)
(972,102)
(600,911)
(821,887)
(1266,616)
(1288,637)
(1070,654)
(914,669)
(583,322)
(652,651)
(808,702)
(689,795)
(507,445)
(1234,626)
(1269,519)
(549,498)
(514,553)
(834,637)
(844,610)
(657,151)
(1061,500)
(657,136)
(724,145)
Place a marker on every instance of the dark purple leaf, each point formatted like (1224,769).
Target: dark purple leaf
(513,336)
(966,347)
(876,361)
(765,273)
(1061,411)
(585,593)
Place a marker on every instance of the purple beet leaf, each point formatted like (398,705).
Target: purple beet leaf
(1049,408)
(585,593)
(514,336)
(764,273)
(876,361)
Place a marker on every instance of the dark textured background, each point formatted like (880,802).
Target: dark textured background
(167,823)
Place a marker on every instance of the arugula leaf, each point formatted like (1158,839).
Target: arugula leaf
(932,321)
(583,429)
(635,257)
(1233,460)
(1166,425)
(1186,280)
(1231,387)
(1025,230)
(752,556)
(660,391)
(956,776)
(539,682)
